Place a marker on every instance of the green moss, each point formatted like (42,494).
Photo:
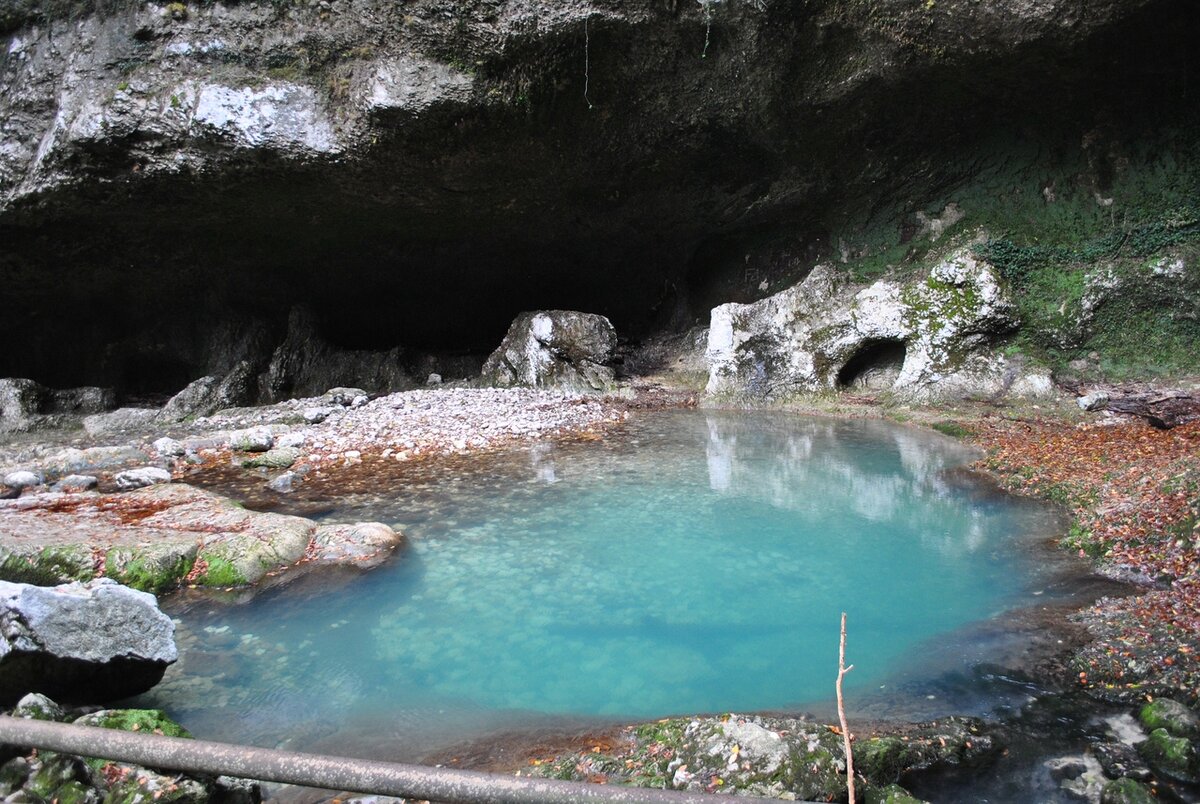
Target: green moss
(220,572)
(1079,539)
(1174,757)
(883,759)
(148,573)
(75,793)
(148,721)
(1127,791)
(889,794)
(951,428)
(48,566)
(52,771)
(1177,719)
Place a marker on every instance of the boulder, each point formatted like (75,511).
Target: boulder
(1127,791)
(252,439)
(85,399)
(554,349)
(1173,757)
(276,458)
(36,706)
(119,421)
(929,337)
(169,448)
(1176,718)
(81,642)
(1095,400)
(144,476)
(210,394)
(23,479)
(72,484)
(20,401)
(28,405)
(305,364)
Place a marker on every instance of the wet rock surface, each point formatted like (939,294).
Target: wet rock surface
(84,642)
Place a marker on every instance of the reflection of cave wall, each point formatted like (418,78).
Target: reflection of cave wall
(874,367)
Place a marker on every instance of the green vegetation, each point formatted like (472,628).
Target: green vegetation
(220,572)
(49,566)
(1098,260)
(145,573)
(951,428)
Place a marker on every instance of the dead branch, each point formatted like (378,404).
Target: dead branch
(842,671)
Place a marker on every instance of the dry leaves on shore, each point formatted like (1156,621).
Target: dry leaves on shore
(1135,494)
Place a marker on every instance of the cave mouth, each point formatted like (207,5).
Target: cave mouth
(874,367)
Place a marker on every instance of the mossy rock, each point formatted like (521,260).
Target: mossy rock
(13,774)
(1177,719)
(277,458)
(36,706)
(243,559)
(52,771)
(147,721)
(1173,757)
(890,794)
(882,759)
(46,566)
(220,571)
(75,793)
(1126,791)
(141,786)
(152,568)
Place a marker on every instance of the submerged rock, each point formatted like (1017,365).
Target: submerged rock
(364,543)
(554,349)
(924,338)
(93,642)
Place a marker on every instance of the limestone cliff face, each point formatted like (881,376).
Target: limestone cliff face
(418,172)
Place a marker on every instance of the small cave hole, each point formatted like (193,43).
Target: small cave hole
(875,366)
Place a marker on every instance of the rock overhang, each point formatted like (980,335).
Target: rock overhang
(423,189)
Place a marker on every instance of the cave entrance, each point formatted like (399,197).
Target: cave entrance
(875,366)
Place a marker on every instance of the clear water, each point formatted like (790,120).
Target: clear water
(697,562)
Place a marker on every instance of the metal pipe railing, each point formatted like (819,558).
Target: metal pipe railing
(326,772)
